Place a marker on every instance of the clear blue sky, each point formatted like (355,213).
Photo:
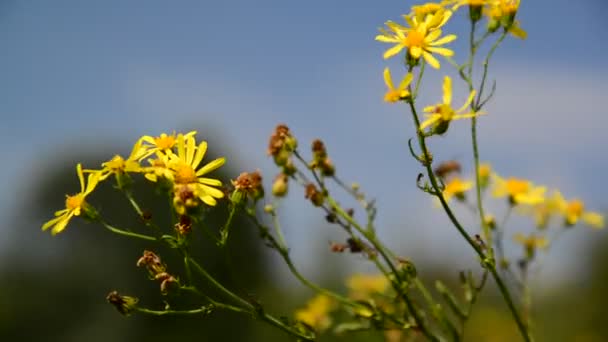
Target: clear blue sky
(84,73)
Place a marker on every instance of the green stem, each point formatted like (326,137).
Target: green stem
(127,233)
(382,250)
(488,262)
(486,64)
(219,286)
(225,230)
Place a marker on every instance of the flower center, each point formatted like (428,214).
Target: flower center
(392,96)
(576,208)
(446,112)
(414,39)
(74,202)
(115,164)
(164,142)
(185,174)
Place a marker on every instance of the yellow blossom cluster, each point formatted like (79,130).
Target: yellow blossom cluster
(529,198)
(174,158)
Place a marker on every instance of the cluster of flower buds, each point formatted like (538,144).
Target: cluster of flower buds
(320,159)
(247,185)
(314,195)
(157,270)
(184,225)
(281,147)
(185,198)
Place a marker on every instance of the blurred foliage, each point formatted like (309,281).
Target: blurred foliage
(54,288)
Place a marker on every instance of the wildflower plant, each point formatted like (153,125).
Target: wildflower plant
(394,301)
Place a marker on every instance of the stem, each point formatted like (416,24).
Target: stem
(225,230)
(488,262)
(382,250)
(219,286)
(127,233)
(486,64)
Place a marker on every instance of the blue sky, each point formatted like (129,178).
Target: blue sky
(78,73)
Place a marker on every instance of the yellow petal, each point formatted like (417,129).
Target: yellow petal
(386,39)
(393,51)
(211,166)
(595,220)
(431,60)
(406,81)
(80,176)
(388,79)
(200,154)
(444,40)
(210,181)
(431,120)
(441,51)
(447,90)
(468,102)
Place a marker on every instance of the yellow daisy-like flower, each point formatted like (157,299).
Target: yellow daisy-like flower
(362,286)
(316,313)
(456,187)
(519,191)
(440,115)
(531,243)
(485,169)
(396,94)
(544,211)
(119,165)
(74,204)
(185,170)
(421,38)
(501,13)
(574,211)
(163,143)
(430,8)
(473,3)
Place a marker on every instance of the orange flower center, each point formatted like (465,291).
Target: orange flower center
(185,174)
(164,142)
(575,208)
(392,96)
(484,171)
(74,202)
(414,39)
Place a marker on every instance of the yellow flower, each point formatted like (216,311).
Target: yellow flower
(185,170)
(118,165)
(316,313)
(501,13)
(421,38)
(519,191)
(543,212)
(362,286)
(159,167)
(440,115)
(484,174)
(74,204)
(163,143)
(574,210)
(531,243)
(396,94)
(473,3)
(456,187)
(430,8)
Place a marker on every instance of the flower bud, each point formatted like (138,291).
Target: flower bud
(280,185)
(124,304)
